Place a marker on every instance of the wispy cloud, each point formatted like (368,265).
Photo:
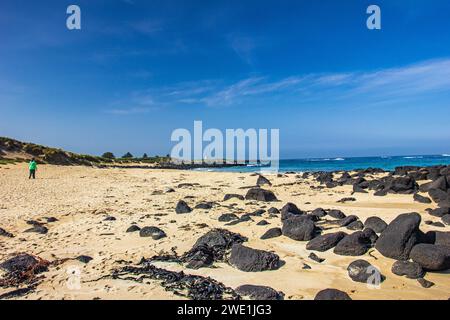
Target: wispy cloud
(392,85)
(130,111)
(243,46)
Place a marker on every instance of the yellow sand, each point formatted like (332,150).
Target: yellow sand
(81,197)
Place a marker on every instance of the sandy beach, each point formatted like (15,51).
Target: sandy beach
(81,197)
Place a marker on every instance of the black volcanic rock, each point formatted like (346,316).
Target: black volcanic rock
(397,240)
(376,224)
(229,196)
(361,271)
(259,292)
(325,242)
(431,257)
(271,233)
(253,260)
(332,294)
(409,269)
(337,214)
(182,207)
(259,194)
(421,199)
(300,228)
(262,181)
(154,232)
(290,210)
(355,244)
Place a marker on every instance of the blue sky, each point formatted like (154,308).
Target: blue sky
(139,69)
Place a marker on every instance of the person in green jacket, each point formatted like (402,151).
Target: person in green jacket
(33,167)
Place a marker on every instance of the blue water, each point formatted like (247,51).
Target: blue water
(335,164)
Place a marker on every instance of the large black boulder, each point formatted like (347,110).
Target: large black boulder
(332,294)
(376,224)
(431,257)
(325,242)
(253,260)
(439,183)
(259,292)
(300,228)
(402,185)
(409,269)
(260,195)
(355,244)
(397,240)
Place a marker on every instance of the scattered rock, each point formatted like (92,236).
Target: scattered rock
(361,271)
(23,263)
(204,206)
(347,220)
(355,244)
(84,259)
(446,219)
(421,199)
(263,180)
(409,269)
(355,225)
(319,212)
(38,229)
(332,294)
(325,242)
(337,214)
(376,224)
(425,283)
(431,257)
(371,236)
(232,195)
(299,228)
(262,223)
(182,207)
(273,210)
(110,218)
(271,233)
(253,260)
(154,232)
(306,267)
(227,217)
(259,292)
(290,210)
(348,199)
(397,240)
(133,228)
(439,212)
(259,194)
(5,233)
(314,257)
